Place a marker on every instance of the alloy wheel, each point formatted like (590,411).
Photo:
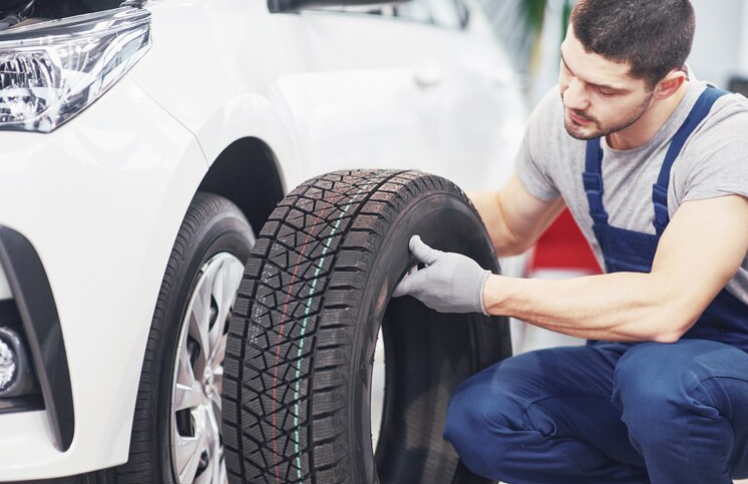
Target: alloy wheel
(196,444)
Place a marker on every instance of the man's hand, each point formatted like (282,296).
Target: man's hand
(450,283)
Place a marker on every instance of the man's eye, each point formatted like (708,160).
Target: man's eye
(605,93)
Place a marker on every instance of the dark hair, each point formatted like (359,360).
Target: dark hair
(653,36)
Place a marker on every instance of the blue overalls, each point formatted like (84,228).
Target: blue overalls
(609,413)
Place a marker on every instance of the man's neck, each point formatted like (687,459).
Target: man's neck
(649,124)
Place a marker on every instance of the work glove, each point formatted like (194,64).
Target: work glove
(450,283)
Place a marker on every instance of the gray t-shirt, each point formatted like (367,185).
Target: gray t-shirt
(713,163)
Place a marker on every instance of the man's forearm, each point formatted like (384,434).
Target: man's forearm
(614,307)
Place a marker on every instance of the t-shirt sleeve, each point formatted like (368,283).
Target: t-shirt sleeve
(532,163)
(720,157)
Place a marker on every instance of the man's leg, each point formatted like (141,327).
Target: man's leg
(686,408)
(545,417)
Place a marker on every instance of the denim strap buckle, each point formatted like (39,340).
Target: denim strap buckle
(593,182)
(659,194)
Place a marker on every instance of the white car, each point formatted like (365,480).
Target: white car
(141,147)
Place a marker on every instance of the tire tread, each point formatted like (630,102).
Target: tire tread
(287,258)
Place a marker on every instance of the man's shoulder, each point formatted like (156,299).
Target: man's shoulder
(727,122)
(732,108)
(714,162)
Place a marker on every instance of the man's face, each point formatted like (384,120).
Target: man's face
(599,96)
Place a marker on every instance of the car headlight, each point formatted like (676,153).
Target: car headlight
(51,71)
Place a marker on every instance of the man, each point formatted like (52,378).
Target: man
(654,168)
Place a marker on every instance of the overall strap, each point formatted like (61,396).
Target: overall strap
(593,181)
(695,117)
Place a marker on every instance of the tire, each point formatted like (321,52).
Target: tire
(214,240)
(315,294)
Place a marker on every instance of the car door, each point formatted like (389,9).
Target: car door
(368,96)
(482,112)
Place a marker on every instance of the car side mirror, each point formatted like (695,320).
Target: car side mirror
(285,6)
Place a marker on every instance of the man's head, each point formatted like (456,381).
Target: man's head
(619,56)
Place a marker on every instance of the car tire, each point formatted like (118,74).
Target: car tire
(213,242)
(316,292)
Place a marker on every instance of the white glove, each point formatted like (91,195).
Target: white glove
(450,283)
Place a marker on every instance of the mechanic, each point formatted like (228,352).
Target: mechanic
(652,164)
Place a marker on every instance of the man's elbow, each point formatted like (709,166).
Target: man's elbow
(672,321)
(667,336)
(508,247)
(507,242)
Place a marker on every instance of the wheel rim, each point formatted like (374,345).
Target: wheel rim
(196,444)
(378,388)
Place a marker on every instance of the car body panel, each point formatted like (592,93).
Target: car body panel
(320,102)
(105,258)
(4,286)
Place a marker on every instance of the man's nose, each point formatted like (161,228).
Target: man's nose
(575,96)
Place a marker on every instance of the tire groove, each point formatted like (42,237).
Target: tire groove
(342,188)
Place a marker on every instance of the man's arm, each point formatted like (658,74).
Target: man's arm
(515,219)
(700,251)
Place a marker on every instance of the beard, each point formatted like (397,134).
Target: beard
(596,129)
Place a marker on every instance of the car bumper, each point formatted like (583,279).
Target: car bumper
(101,200)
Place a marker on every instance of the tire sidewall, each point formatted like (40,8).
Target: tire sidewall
(224,231)
(425,217)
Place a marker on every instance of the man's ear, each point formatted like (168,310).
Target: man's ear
(670,84)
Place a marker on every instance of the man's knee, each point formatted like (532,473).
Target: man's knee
(480,427)
(654,385)
(647,375)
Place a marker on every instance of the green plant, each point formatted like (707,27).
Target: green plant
(520,23)
(533,12)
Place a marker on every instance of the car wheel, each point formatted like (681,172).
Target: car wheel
(316,293)
(176,432)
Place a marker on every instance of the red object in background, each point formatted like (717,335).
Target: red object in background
(563,247)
